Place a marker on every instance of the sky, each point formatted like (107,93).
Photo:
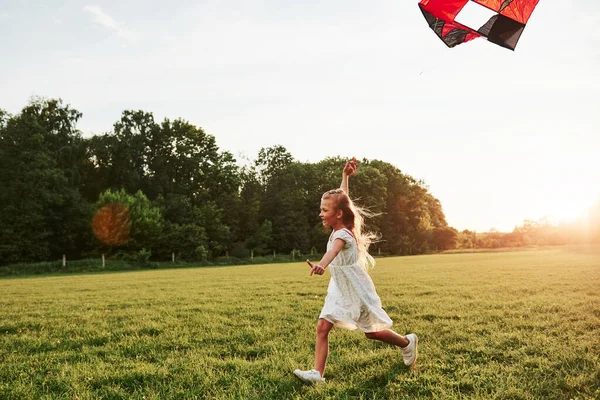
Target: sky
(498,136)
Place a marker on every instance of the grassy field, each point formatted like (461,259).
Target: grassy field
(512,325)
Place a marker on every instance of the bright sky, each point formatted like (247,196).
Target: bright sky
(498,136)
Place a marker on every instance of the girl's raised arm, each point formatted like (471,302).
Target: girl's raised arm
(349,169)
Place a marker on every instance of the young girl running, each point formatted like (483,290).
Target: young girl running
(352,301)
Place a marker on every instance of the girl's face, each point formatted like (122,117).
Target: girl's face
(329,214)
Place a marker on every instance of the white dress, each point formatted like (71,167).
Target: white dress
(352,301)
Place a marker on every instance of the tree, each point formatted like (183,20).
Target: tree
(272,160)
(43,215)
(444,238)
(182,234)
(466,239)
(283,204)
(129,222)
(173,159)
(261,240)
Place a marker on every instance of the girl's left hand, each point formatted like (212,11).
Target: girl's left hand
(315,268)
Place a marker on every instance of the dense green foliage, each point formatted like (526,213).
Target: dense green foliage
(514,325)
(177,193)
(185,197)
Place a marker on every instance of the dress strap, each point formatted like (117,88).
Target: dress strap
(349,231)
(339,231)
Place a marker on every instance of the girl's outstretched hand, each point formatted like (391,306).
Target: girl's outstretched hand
(351,167)
(315,268)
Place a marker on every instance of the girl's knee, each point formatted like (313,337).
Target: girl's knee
(323,327)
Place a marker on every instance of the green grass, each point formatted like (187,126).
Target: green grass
(511,325)
(91,265)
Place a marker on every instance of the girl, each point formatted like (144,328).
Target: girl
(351,301)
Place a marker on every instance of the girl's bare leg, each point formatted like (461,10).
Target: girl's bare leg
(388,336)
(322,345)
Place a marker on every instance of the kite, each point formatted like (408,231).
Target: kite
(507,20)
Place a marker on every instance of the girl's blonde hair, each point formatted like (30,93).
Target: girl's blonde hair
(354,219)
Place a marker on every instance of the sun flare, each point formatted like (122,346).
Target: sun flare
(567,212)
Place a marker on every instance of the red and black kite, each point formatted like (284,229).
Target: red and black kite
(504,27)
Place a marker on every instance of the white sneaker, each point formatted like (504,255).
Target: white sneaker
(409,353)
(310,377)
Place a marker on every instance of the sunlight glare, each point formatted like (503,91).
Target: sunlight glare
(568,210)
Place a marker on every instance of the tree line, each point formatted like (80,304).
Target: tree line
(583,230)
(153,189)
